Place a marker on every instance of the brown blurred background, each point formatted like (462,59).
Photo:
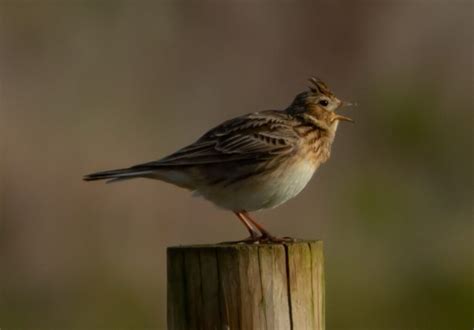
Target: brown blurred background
(94,85)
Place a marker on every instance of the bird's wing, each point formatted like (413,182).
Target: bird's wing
(257,136)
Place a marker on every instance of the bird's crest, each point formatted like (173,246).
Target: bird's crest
(319,87)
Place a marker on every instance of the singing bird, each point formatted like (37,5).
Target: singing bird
(252,162)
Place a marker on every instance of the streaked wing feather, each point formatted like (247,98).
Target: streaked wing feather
(256,136)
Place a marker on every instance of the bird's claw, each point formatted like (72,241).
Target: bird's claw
(263,239)
(268,239)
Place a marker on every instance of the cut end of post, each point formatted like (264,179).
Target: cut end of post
(246,286)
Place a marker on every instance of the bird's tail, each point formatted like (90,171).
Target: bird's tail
(118,175)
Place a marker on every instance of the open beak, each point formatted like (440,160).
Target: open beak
(347,104)
(342,118)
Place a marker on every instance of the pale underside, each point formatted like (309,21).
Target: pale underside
(262,192)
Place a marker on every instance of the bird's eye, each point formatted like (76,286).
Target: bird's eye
(324,102)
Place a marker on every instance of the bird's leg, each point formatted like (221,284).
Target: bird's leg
(254,234)
(266,236)
(262,230)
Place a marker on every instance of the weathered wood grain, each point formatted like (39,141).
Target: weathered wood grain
(240,286)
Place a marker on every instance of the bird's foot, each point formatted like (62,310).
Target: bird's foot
(248,240)
(263,239)
(269,239)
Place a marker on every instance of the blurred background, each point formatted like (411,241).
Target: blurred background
(93,85)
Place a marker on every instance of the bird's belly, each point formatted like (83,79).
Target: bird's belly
(257,193)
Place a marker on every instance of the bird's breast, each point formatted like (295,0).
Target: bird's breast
(293,179)
(266,190)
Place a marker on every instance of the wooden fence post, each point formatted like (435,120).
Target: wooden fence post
(241,286)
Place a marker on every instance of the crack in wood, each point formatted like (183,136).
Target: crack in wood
(288,281)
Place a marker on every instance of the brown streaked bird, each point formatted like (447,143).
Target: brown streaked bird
(252,162)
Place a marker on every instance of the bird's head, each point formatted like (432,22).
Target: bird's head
(319,103)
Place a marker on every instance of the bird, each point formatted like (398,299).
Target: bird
(252,162)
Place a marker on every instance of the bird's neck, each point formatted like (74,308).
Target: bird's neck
(318,140)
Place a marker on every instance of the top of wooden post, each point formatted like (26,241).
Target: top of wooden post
(243,245)
(246,286)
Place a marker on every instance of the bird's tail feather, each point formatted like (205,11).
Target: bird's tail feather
(117,175)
